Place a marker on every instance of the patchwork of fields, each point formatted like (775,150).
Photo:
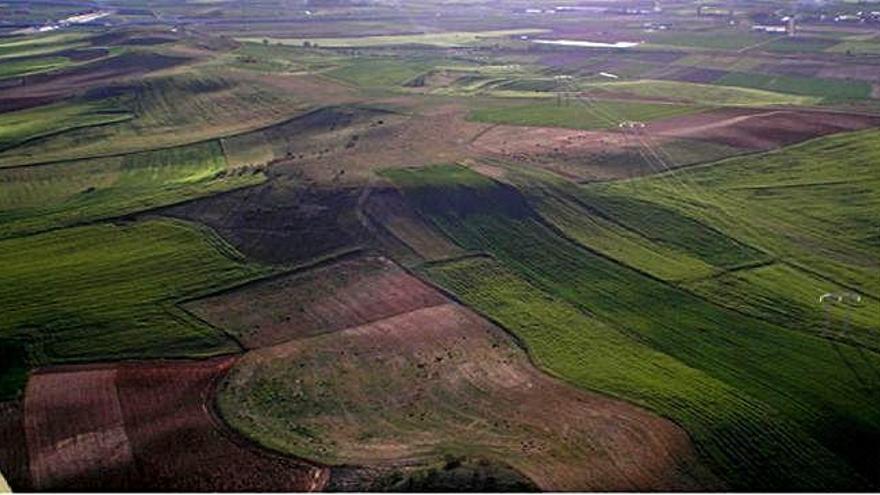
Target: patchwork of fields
(406,248)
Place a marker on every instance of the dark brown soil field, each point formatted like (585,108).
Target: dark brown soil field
(280,222)
(145,427)
(345,294)
(442,380)
(754,129)
(13,447)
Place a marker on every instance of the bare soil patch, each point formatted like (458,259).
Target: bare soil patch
(574,154)
(755,129)
(345,294)
(439,134)
(145,427)
(440,380)
(282,221)
(13,447)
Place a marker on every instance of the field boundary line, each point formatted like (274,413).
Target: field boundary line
(232,435)
(733,269)
(318,262)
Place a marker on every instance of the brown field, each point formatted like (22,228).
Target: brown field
(145,427)
(417,136)
(280,222)
(442,380)
(346,294)
(688,139)
(13,446)
(589,155)
(754,129)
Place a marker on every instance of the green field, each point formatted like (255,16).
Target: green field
(753,367)
(833,89)
(787,44)
(379,72)
(40,45)
(17,128)
(704,94)
(708,40)
(812,204)
(577,115)
(156,113)
(34,199)
(109,291)
(17,68)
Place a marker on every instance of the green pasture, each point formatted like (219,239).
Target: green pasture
(758,363)
(33,45)
(19,127)
(703,94)
(598,114)
(787,44)
(707,40)
(831,89)
(159,113)
(379,72)
(18,68)
(814,204)
(109,291)
(34,199)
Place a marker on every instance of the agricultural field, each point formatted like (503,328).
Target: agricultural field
(439,246)
(575,116)
(442,39)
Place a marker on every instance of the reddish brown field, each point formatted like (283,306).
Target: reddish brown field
(145,427)
(13,447)
(345,294)
(755,129)
(687,139)
(441,379)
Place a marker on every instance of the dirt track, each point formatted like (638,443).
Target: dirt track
(145,427)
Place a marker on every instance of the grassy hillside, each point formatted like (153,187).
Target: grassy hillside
(379,72)
(19,127)
(813,205)
(832,89)
(758,367)
(108,291)
(167,111)
(33,199)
